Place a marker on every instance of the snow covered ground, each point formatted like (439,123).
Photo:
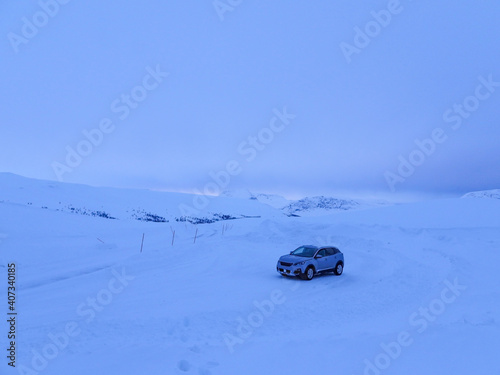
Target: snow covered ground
(420,293)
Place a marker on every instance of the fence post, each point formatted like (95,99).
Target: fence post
(142,242)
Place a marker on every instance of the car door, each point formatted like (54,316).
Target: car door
(338,256)
(322,260)
(331,259)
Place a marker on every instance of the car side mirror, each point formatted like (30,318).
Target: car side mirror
(319,256)
(291,252)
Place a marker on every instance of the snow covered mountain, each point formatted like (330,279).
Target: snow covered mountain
(113,203)
(309,206)
(145,205)
(492,194)
(420,291)
(315,206)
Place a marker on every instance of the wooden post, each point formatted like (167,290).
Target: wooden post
(195,234)
(142,243)
(173,236)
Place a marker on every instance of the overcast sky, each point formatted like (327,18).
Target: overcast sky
(290,97)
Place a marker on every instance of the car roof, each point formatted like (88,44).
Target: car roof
(319,247)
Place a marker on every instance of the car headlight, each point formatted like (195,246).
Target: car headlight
(300,263)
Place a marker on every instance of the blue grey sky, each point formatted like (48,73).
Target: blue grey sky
(290,97)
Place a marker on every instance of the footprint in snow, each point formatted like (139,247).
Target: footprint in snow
(184,365)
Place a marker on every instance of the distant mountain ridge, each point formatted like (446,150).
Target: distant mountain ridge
(321,202)
(163,207)
(119,203)
(492,194)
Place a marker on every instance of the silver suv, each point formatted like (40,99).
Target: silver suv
(309,260)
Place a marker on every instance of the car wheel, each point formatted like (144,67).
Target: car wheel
(309,274)
(339,268)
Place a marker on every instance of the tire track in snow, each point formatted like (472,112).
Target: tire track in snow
(63,277)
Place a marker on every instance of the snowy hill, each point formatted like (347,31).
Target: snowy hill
(319,205)
(273,200)
(420,292)
(112,203)
(309,206)
(492,194)
(145,205)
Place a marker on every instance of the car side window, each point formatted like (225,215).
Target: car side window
(330,251)
(322,252)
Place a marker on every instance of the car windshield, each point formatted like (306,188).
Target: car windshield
(304,251)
